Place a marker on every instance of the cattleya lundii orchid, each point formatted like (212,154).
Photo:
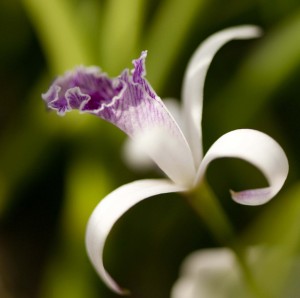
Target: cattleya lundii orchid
(130,103)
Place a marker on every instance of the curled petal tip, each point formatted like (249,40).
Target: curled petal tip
(251,31)
(139,66)
(121,291)
(125,292)
(252,197)
(258,149)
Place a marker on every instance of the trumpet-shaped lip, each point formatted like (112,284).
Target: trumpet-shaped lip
(130,103)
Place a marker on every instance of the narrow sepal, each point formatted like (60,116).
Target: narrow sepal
(193,84)
(110,209)
(258,149)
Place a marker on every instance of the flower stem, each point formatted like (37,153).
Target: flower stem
(207,206)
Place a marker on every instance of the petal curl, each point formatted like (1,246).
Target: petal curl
(110,209)
(193,84)
(259,150)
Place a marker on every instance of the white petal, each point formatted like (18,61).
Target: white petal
(174,107)
(203,270)
(217,273)
(136,157)
(193,84)
(258,149)
(110,209)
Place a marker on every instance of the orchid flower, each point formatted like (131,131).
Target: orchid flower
(131,104)
(202,270)
(272,272)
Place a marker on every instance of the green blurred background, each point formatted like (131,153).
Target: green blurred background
(53,170)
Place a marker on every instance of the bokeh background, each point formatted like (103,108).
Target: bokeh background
(54,170)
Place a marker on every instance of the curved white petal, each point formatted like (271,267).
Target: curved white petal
(192,92)
(110,209)
(258,149)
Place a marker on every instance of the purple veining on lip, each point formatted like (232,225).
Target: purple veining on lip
(127,101)
(139,72)
(84,88)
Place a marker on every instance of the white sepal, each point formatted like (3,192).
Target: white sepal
(193,83)
(258,149)
(110,209)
